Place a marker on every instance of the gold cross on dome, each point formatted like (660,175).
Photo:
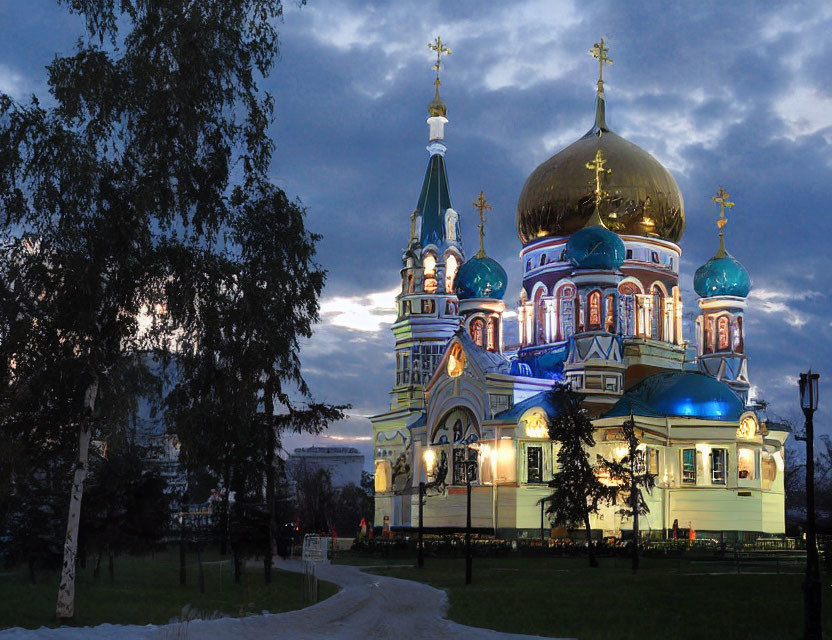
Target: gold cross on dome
(440,48)
(599,51)
(598,167)
(721,197)
(482,204)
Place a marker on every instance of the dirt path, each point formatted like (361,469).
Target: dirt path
(367,607)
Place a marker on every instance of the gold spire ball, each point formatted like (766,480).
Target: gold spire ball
(436,106)
(640,198)
(482,205)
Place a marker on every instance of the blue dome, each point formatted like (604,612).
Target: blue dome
(480,277)
(595,247)
(722,276)
(686,394)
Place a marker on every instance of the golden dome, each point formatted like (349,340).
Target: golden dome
(436,106)
(643,198)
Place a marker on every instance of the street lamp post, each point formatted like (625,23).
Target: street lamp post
(438,480)
(811,585)
(468,560)
(420,557)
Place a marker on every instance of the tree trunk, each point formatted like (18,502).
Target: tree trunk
(635,500)
(32,575)
(224,514)
(65,607)
(268,407)
(237,565)
(96,570)
(199,562)
(111,568)
(589,546)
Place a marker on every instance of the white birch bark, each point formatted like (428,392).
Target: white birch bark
(65,607)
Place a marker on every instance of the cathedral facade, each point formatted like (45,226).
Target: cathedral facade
(600,309)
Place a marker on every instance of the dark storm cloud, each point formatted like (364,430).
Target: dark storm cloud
(723,94)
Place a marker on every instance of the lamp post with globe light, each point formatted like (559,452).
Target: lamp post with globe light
(429,458)
(811,585)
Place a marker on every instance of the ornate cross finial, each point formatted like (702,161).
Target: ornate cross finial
(482,204)
(598,167)
(440,48)
(721,198)
(600,51)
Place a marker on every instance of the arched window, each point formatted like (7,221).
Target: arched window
(477,331)
(724,337)
(428,306)
(594,305)
(566,312)
(657,320)
(410,283)
(492,339)
(609,320)
(451,266)
(429,265)
(539,317)
(579,302)
(627,297)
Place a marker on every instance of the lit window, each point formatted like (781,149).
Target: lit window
(745,464)
(724,343)
(450,272)
(689,466)
(456,361)
(610,315)
(477,331)
(653,461)
(595,310)
(429,265)
(718,465)
(491,334)
(428,306)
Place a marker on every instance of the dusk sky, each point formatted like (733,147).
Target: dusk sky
(737,95)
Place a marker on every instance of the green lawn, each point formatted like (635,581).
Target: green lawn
(146,590)
(667,599)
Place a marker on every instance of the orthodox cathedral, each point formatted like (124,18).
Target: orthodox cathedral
(600,309)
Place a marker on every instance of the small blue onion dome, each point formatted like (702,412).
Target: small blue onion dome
(595,247)
(722,275)
(480,277)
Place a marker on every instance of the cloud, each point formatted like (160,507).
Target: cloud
(770,301)
(12,82)
(369,312)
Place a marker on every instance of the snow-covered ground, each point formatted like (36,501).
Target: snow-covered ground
(367,607)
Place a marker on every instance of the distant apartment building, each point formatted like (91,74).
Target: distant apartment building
(344,463)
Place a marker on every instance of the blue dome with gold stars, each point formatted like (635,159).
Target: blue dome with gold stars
(595,247)
(480,277)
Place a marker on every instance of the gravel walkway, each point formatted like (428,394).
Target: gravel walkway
(367,607)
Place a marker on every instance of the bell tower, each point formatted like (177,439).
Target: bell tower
(428,309)
(722,284)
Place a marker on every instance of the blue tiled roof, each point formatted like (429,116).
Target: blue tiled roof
(541,399)
(687,394)
(434,200)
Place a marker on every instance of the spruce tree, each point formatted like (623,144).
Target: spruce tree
(632,478)
(577,492)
